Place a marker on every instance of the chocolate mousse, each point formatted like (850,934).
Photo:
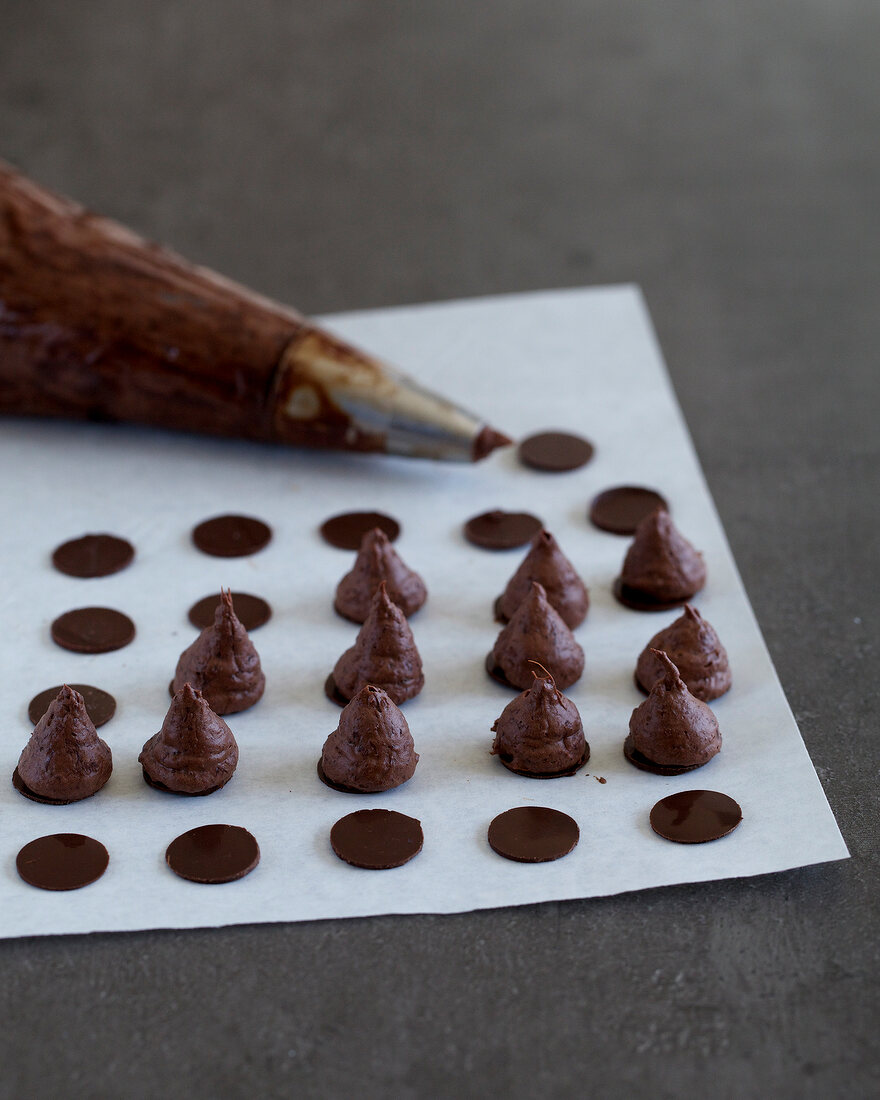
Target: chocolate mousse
(540,734)
(694,648)
(378,561)
(546,564)
(535,633)
(661,569)
(671,732)
(65,759)
(384,654)
(222,664)
(371,749)
(194,752)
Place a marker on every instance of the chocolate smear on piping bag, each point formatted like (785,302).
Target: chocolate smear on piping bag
(536,632)
(540,733)
(378,561)
(546,564)
(222,663)
(195,752)
(65,759)
(372,748)
(694,648)
(661,568)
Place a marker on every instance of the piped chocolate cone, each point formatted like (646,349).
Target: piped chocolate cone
(378,561)
(546,564)
(384,654)
(222,664)
(536,633)
(371,749)
(694,648)
(671,732)
(194,752)
(540,734)
(661,568)
(65,759)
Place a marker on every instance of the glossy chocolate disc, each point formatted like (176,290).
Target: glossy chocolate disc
(345,531)
(251,611)
(93,556)
(376,840)
(533,834)
(641,601)
(63,861)
(231,536)
(555,452)
(101,705)
(502,530)
(622,509)
(213,854)
(694,817)
(92,630)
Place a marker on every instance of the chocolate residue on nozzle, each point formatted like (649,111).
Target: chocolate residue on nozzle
(488,440)
(378,561)
(384,654)
(695,649)
(65,759)
(671,732)
(195,751)
(540,733)
(222,663)
(546,564)
(536,632)
(661,568)
(372,748)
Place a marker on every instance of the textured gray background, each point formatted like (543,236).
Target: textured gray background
(343,154)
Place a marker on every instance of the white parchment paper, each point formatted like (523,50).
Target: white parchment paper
(585,360)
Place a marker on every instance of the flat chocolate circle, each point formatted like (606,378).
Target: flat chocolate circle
(549,775)
(93,556)
(43,799)
(92,630)
(252,611)
(641,601)
(641,761)
(695,817)
(555,452)
(101,705)
(622,509)
(376,840)
(533,834)
(63,861)
(502,530)
(231,536)
(345,531)
(213,854)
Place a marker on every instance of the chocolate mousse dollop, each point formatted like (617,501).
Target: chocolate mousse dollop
(371,749)
(378,561)
(694,648)
(661,568)
(546,564)
(222,663)
(671,732)
(536,633)
(65,759)
(540,734)
(384,654)
(194,752)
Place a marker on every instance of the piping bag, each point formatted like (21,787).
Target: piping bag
(97,323)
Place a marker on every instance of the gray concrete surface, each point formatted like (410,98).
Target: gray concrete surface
(343,154)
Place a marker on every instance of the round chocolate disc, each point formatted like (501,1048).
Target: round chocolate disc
(101,705)
(694,817)
(251,611)
(502,530)
(43,799)
(92,630)
(376,839)
(555,452)
(533,834)
(345,531)
(231,536)
(622,509)
(93,556)
(213,854)
(63,861)
(642,601)
(640,761)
